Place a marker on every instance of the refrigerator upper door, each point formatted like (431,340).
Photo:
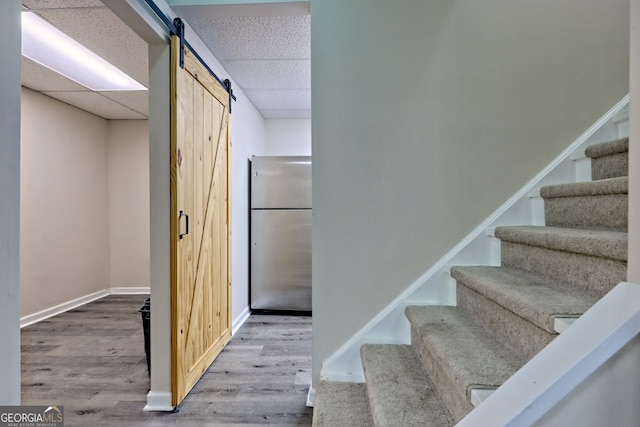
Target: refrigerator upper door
(281,182)
(281,259)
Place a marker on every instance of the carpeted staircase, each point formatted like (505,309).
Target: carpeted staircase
(504,315)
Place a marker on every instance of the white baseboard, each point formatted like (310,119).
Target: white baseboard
(61,308)
(159,401)
(70,305)
(140,290)
(311,397)
(240,321)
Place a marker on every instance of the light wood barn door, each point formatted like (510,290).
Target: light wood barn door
(200,222)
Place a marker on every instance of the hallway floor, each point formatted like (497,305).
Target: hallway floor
(91,360)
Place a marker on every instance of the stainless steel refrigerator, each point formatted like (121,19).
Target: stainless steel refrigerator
(281,233)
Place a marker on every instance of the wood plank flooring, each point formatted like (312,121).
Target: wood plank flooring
(92,361)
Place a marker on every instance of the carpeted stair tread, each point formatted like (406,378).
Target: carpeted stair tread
(608,148)
(609,159)
(598,243)
(595,205)
(458,354)
(619,185)
(341,404)
(399,390)
(537,300)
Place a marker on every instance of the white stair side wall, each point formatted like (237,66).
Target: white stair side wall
(591,368)
(435,286)
(608,397)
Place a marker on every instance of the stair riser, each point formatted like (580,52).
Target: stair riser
(594,275)
(341,404)
(398,390)
(456,400)
(611,166)
(602,212)
(519,334)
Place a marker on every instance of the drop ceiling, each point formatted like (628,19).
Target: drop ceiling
(265,49)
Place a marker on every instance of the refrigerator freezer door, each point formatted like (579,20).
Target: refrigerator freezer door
(281,182)
(281,259)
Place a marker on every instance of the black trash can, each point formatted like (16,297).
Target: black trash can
(145,311)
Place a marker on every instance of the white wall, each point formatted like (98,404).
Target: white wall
(64,230)
(426,117)
(90,177)
(10,204)
(160,222)
(288,137)
(128,171)
(247,139)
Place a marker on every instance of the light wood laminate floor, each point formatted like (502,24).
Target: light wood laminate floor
(92,361)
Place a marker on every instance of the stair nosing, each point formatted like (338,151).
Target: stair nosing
(600,187)
(608,148)
(463,375)
(514,289)
(392,375)
(597,243)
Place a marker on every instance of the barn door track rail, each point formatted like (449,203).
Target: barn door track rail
(177,28)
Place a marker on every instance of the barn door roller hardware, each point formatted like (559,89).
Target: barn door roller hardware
(227,84)
(177,28)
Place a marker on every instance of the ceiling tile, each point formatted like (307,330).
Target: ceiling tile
(265,37)
(97,104)
(280,99)
(266,50)
(137,100)
(270,74)
(61,4)
(286,8)
(286,114)
(101,31)
(40,78)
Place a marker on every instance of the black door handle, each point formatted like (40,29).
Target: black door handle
(182,214)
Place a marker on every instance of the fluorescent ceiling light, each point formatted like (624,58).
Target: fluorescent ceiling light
(50,47)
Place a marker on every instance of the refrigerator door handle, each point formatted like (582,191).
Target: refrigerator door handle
(182,214)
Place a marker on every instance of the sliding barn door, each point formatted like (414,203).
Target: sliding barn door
(200,222)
